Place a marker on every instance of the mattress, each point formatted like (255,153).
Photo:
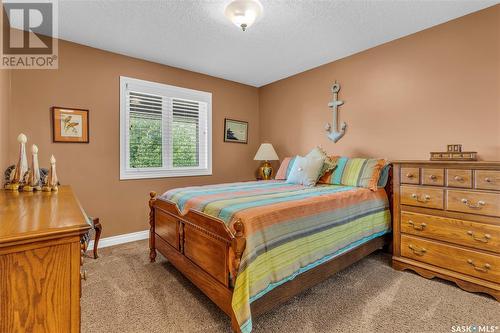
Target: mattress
(289,228)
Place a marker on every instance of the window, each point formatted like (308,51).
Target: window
(165,131)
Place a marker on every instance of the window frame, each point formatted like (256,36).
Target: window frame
(171,92)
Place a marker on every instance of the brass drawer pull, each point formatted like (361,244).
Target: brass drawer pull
(83,275)
(459,178)
(417,251)
(479,204)
(425,198)
(484,239)
(483,269)
(421,226)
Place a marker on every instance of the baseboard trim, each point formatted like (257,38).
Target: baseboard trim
(120,239)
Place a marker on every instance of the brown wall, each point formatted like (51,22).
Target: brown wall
(4,108)
(89,78)
(402,99)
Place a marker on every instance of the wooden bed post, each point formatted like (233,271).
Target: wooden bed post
(152,249)
(238,244)
(389,188)
(388,247)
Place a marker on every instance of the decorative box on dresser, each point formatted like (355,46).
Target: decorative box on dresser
(447,222)
(40,259)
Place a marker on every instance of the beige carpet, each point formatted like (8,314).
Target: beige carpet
(126,293)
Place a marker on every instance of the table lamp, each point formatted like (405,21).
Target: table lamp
(266,153)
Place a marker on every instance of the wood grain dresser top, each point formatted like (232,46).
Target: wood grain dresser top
(45,215)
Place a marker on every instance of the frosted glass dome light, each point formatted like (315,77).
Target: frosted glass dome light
(243,13)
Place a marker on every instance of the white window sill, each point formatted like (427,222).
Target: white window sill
(163,174)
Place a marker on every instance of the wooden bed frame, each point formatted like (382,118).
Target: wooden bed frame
(201,248)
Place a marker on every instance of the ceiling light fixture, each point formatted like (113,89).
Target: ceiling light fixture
(243,13)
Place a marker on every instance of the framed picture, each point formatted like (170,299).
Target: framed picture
(70,125)
(235,131)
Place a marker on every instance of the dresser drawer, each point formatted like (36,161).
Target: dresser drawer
(410,175)
(473,202)
(459,178)
(433,176)
(487,180)
(477,235)
(422,196)
(470,262)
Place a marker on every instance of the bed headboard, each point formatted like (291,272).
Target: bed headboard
(388,188)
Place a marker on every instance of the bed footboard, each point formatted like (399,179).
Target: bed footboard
(204,249)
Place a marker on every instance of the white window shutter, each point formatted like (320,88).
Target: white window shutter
(164,130)
(145,130)
(203,134)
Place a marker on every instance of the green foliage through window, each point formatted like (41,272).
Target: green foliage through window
(145,142)
(185,147)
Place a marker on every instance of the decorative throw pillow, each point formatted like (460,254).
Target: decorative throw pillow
(327,178)
(305,170)
(384,176)
(328,164)
(339,170)
(285,168)
(362,172)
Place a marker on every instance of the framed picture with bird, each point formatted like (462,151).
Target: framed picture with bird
(70,125)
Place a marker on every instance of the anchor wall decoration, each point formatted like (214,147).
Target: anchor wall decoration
(334,134)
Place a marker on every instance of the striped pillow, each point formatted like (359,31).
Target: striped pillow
(285,168)
(384,176)
(360,172)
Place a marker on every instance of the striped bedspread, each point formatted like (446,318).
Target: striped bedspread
(289,228)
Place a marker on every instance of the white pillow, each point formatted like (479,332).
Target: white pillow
(305,170)
(328,164)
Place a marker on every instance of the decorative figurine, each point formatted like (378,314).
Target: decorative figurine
(9,174)
(51,181)
(335,135)
(19,174)
(34,180)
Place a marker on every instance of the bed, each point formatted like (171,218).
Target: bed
(250,246)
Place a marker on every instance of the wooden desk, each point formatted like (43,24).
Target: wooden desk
(40,259)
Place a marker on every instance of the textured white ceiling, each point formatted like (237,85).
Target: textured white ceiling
(291,36)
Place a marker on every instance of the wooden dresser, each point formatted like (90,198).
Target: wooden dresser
(447,222)
(40,258)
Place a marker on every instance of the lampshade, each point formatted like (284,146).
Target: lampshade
(266,152)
